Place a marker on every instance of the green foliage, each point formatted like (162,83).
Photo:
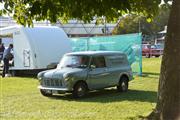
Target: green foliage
(21,100)
(24,11)
(139,23)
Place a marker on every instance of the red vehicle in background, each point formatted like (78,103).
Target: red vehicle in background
(152,50)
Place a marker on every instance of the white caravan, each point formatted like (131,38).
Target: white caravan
(36,48)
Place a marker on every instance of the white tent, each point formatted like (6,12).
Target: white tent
(38,47)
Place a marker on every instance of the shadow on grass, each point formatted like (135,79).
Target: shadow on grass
(112,95)
(150,75)
(23,75)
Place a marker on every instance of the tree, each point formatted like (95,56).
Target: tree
(168,104)
(133,23)
(24,11)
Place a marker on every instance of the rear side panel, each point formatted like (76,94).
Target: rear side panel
(117,66)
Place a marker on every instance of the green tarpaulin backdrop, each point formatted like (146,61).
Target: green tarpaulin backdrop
(129,44)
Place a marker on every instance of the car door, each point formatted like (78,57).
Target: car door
(114,64)
(98,74)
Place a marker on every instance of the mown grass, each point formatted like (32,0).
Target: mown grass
(21,100)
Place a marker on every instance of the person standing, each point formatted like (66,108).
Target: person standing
(1,51)
(7,55)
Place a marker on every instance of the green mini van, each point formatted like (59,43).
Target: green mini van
(80,72)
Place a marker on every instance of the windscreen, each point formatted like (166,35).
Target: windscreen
(74,61)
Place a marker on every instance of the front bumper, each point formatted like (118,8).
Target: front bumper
(53,88)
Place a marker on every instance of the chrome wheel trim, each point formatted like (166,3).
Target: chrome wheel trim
(124,86)
(81,91)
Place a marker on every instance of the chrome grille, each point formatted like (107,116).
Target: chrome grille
(51,82)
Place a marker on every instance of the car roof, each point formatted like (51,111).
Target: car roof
(92,53)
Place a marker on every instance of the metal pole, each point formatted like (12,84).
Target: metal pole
(105,25)
(139,26)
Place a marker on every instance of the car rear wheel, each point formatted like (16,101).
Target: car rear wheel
(80,90)
(123,84)
(46,93)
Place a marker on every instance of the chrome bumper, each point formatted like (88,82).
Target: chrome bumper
(52,88)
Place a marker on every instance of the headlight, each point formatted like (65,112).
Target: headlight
(40,75)
(40,78)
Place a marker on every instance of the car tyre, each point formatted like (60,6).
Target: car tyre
(13,73)
(80,90)
(123,84)
(157,55)
(46,93)
(148,56)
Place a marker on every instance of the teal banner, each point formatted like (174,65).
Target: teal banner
(128,43)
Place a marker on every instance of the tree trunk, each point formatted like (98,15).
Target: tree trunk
(168,104)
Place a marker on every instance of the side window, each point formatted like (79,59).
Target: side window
(115,61)
(98,62)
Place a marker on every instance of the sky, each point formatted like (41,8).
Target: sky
(1,6)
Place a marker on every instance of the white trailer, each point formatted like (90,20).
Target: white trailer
(37,48)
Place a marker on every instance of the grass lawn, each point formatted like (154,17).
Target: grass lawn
(21,100)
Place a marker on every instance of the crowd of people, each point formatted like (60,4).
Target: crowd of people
(6,54)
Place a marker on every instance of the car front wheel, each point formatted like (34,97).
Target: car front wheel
(46,93)
(80,90)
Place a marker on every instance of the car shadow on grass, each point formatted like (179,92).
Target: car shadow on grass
(112,95)
(150,75)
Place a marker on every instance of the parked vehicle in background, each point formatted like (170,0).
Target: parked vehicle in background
(157,50)
(146,50)
(152,50)
(80,72)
